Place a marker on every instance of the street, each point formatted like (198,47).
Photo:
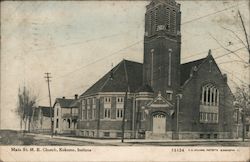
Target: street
(10,137)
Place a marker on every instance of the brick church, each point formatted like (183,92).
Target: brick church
(165,99)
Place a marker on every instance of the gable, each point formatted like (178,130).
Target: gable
(159,101)
(207,71)
(186,69)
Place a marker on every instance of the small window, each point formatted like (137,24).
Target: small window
(119,113)
(119,134)
(106,134)
(88,101)
(119,100)
(215,136)
(247,128)
(87,133)
(201,136)
(208,136)
(107,113)
(93,101)
(57,123)
(107,99)
(68,123)
(169,95)
(83,103)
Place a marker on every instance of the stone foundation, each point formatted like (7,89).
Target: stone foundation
(205,135)
(103,133)
(151,135)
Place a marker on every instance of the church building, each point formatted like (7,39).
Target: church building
(162,98)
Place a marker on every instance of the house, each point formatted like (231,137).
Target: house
(159,98)
(65,115)
(41,120)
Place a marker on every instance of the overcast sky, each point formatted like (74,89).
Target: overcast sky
(77,42)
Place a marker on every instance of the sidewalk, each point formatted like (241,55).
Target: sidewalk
(110,141)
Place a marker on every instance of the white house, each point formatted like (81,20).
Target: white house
(65,115)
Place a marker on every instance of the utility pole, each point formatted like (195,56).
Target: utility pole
(124,112)
(47,77)
(247,102)
(125,103)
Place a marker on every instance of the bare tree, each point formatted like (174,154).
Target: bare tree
(242,100)
(25,107)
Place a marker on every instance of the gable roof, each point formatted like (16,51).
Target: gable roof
(187,67)
(145,88)
(65,103)
(45,110)
(75,104)
(117,78)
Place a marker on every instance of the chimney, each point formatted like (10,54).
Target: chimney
(76,96)
(63,97)
(225,77)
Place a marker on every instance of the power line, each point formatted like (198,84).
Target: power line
(127,47)
(226,48)
(101,59)
(198,18)
(77,43)
(235,76)
(228,53)
(200,53)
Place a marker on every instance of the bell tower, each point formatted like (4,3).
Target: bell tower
(162,47)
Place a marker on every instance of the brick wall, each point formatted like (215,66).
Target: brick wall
(189,106)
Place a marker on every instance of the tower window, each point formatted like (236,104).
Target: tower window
(156,18)
(167,18)
(173,21)
(151,22)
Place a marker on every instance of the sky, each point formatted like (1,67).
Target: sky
(79,41)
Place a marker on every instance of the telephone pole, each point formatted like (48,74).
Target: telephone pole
(248,97)
(47,77)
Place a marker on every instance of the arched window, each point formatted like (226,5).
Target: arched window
(57,121)
(68,123)
(209,95)
(209,104)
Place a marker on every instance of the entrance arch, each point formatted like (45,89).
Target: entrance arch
(159,123)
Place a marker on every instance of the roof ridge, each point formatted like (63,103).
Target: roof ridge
(194,60)
(108,77)
(132,61)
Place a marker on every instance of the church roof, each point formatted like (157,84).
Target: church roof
(145,88)
(116,80)
(187,67)
(128,71)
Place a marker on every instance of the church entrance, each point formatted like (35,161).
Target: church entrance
(159,124)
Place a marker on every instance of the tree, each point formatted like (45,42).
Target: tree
(25,107)
(242,101)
